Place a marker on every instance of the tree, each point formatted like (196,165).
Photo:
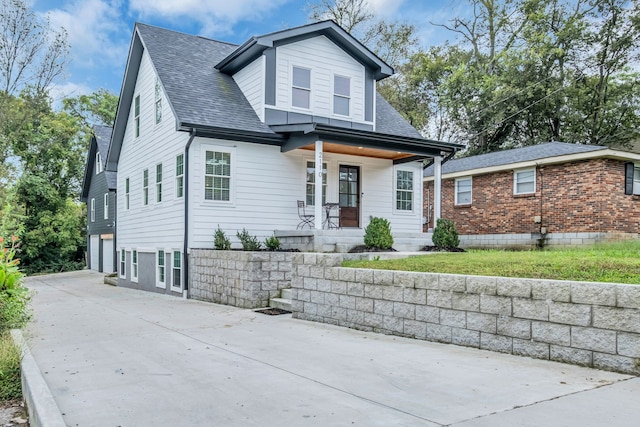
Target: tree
(98,108)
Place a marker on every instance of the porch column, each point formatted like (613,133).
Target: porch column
(437,188)
(318,188)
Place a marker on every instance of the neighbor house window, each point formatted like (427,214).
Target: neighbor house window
(106,205)
(311,183)
(404,190)
(636,180)
(341,95)
(180,175)
(158,101)
(159,183)
(98,163)
(524,181)
(145,187)
(217,176)
(126,193)
(301,88)
(136,115)
(134,265)
(160,274)
(93,210)
(123,262)
(463,191)
(177,271)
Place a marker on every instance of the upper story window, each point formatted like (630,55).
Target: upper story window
(217,176)
(126,193)
(341,95)
(404,190)
(463,191)
(179,175)
(159,183)
(524,181)
(301,88)
(93,210)
(145,187)
(136,115)
(158,101)
(106,205)
(98,163)
(311,183)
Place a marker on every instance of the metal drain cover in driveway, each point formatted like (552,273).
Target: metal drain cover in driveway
(273,311)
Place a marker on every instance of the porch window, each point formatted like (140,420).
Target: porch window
(136,116)
(134,265)
(93,210)
(160,274)
(123,263)
(126,193)
(404,190)
(106,206)
(311,183)
(217,178)
(177,271)
(158,183)
(158,101)
(301,88)
(341,95)
(145,187)
(524,181)
(463,191)
(180,175)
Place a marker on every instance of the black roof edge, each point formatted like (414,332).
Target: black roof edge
(233,134)
(88,170)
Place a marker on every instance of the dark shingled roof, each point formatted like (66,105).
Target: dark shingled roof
(516,155)
(103,138)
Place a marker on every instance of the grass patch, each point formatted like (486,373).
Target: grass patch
(10,357)
(606,262)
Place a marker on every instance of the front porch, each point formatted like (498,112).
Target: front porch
(343,240)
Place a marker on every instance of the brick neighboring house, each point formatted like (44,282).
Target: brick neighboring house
(569,194)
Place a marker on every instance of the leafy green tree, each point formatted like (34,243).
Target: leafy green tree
(97,108)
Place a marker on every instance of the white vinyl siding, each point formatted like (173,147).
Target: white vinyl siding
(134,265)
(463,191)
(160,269)
(251,81)
(106,205)
(524,181)
(93,210)
(404,190)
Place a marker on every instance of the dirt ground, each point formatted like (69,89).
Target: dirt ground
(13,414)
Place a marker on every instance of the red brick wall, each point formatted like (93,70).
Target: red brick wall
(583,196)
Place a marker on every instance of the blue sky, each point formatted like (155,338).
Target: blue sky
(99,31)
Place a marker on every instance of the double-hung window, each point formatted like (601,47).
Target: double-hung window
(176,277)
(126,193)
(404,190)
(180,175)
(158,101)
(106,205)
(159,183)
(301,88)
(123,263)
(145,187)
(463,191)
(524,181)
(636,180)
(160,282)
(341,95)
(98,163)
(134,265)
(217,176)
(93,210)
(311,183)
(136,115)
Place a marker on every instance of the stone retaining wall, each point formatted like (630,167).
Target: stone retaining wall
(241,279)
(589,324)
(530,240)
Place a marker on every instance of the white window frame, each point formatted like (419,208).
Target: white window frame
(397,191)
(516,181)
(458,192)
(127,187)
(174,269)
(312,185)
(179,176)
(302,88)
(636,179)
(123,263)
(136,116)
(134,265)
(98,163)
(145,187)
(158,102)
(106,206)
(232,176)
(343,96)
(161,255)
(93,210)
(159,183)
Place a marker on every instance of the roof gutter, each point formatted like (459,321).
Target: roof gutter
(185,246)
(445,160)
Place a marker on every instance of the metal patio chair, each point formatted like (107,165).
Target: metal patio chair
(305,218)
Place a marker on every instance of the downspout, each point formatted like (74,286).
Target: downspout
(185,246)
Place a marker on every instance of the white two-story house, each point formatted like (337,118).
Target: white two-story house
(210,134)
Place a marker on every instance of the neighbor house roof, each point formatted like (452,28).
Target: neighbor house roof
(100,140)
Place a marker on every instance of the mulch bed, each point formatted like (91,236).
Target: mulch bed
(362,249)
(429,248)
(273,311)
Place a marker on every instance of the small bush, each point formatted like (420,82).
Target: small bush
(445,235)
(378,234)
(220,240)
(249,242)
(272,243)
(10,357)
(14,297)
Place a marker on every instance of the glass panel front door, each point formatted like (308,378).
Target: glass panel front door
(349,196)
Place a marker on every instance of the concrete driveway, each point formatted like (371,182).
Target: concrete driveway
(121,357)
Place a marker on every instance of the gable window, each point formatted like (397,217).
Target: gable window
(176,271)
(159,183)
(126,193)
(136,115)
(98,163)
(158,101)
(93,210)
(301,88)
(311,183)
(145,187)
(180,175)
(160,282)
(106,205)
(463,191)
(134,265)
(217,176)
(341,95)
(524,181)
(123,263)
(404,190)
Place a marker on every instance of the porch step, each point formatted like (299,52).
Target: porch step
(284,302)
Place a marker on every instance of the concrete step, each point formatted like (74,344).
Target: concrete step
(285,293)
(281,303)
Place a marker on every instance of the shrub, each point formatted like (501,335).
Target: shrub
(378,234)
(445,235)
(220,240)
(13,296)
(249,242)
(272,243)
(10,357)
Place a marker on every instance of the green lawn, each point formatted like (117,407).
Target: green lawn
(611,262)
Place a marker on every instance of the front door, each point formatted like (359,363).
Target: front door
(349,196)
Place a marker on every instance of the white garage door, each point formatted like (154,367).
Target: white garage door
(94,262)
(107,255)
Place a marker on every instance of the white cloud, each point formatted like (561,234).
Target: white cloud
(58,92)
(385,8)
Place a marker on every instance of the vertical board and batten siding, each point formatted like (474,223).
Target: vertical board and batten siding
(251,80)
(157,225)
(325,60)
(97,189)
